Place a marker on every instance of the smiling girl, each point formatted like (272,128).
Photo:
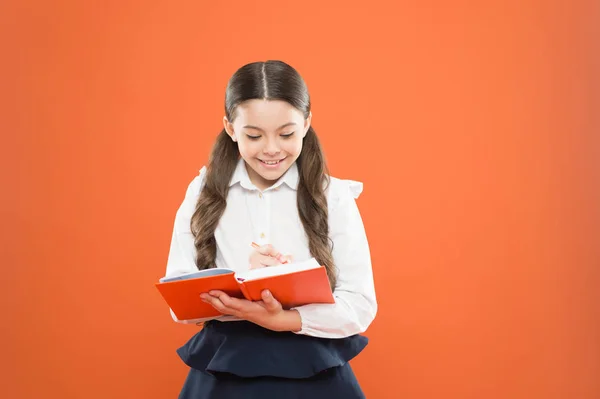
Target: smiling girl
(267,182)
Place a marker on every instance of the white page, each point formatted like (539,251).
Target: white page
(199,273)
(278,270)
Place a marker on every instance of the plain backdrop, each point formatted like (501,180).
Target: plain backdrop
(473,125)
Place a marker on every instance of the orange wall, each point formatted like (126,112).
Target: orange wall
(474,127)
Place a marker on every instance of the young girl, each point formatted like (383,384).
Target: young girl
(267,183)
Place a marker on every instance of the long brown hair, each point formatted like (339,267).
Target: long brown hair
(271,80)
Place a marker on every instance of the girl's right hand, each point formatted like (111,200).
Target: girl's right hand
(265,256)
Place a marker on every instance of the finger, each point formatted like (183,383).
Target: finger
(268,250)
(255,261)
(285,259)
(268,260)
(227,301)
(216,303)
(270,303)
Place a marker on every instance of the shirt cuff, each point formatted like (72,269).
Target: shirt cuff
(311,317)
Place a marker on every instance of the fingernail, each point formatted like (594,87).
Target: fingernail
(203,296)
(267,293)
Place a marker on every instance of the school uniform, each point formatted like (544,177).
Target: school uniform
(232,358)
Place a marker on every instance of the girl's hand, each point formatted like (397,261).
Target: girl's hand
(267,313)
(265,256)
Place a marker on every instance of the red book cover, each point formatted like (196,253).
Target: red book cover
(293,285)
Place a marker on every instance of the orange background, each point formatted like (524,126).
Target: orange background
(474,127)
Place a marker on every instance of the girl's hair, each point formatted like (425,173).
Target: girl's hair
(270,80)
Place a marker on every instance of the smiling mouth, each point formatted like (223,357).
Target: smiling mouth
(271,162)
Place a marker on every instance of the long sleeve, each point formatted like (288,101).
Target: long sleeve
(182,253)
(355,304)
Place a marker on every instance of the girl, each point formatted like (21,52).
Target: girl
(267,182)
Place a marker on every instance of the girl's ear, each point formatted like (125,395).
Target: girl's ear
(307,123)
(229,128)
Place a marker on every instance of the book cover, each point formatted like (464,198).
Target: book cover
(293,285)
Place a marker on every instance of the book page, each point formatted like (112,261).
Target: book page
(277,270)
(197,274)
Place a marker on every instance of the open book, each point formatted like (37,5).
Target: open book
(293,284)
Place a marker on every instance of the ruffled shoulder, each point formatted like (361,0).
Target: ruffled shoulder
(202,172)
(355,188)
(247,350)
(342,190)
(195,186)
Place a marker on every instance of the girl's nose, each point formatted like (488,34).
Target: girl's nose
(271,147)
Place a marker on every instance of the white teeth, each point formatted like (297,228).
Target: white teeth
(270,162)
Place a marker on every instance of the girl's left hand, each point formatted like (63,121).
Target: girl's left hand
(267,313)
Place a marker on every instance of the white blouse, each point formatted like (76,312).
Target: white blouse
(271,217)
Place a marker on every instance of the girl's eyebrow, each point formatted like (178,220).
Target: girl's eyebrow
(280,127)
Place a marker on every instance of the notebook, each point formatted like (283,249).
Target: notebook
(293,284)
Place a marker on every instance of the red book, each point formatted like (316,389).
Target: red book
(293,284)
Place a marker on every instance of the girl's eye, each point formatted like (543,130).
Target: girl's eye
(253,137)
(288,135)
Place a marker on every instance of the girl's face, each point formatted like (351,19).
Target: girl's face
(269,134)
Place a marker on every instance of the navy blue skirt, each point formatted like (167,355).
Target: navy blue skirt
(239,359)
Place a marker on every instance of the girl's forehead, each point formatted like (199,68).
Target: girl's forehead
(254,106)
(268,114)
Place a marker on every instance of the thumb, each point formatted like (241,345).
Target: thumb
(270,302)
